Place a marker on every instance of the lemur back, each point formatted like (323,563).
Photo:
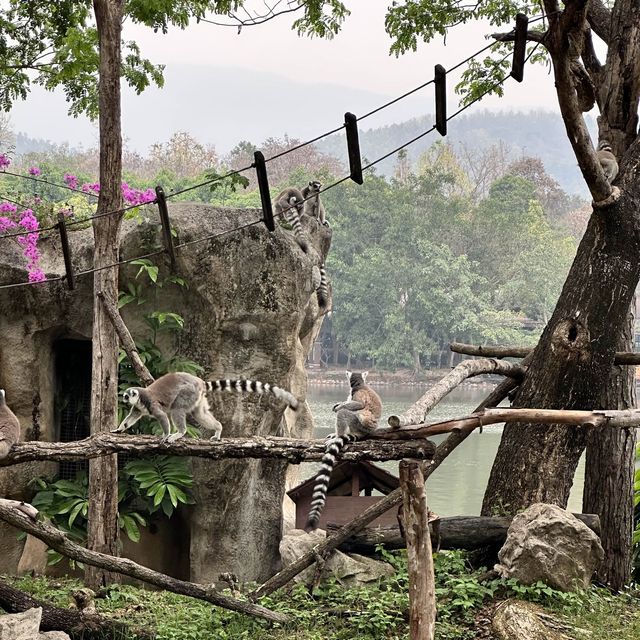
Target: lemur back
(9,427)
(175,396)
(313,205)
(357,418)
(290,203)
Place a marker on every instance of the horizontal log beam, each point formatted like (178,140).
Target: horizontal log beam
(405,445)
(596,418)
(457,532)
(495,351)
(58,541)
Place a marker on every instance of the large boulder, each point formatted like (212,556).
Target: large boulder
(550,544)
(350,569)
(250,310)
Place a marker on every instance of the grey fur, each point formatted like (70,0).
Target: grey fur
(607,160)
(175,396)
(289,203)
(313,205)
(9,427)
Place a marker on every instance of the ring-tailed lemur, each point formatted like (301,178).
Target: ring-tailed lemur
(321,285)
(357,418)
(175,396)
(290,204)
(607,160)
(312,204)
(9,427)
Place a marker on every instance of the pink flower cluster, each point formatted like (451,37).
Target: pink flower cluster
(130,195)
(4,161)
(34,171)
(28,242)
(136,196)
(71,180)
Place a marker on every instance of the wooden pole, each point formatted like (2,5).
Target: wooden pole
(422,598)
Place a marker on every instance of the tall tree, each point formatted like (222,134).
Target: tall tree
(102,534)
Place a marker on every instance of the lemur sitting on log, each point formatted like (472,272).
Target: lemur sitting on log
(357,418)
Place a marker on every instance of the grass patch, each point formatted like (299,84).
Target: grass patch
(377,612)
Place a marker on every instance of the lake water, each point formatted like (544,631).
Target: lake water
(457,486)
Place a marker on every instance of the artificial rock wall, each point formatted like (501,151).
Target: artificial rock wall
(250,310)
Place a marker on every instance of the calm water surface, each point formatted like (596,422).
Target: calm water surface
(457,486)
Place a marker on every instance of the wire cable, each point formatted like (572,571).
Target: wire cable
(304,144)
(207,182)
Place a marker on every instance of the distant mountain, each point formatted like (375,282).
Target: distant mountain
(537,133)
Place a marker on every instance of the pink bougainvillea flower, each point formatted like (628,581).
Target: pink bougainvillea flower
(34,171)
(71,180)
(5,161)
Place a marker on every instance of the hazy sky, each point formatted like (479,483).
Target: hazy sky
(224,87)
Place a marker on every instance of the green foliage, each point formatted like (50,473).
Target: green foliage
(145,487)
(163,480)
(333,612)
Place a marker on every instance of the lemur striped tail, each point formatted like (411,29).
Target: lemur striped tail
(319,497)
(322,292)
(253,386)
(293,218)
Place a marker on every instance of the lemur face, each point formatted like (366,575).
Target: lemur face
(315,185)
(131,396)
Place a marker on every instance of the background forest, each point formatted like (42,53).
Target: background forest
(466,243)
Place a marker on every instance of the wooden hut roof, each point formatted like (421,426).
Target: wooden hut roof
(377,478)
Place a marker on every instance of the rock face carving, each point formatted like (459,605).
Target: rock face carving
(250,310)
(549,544)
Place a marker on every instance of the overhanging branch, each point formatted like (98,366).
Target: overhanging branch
(467,369)
(496,351)
(565,45)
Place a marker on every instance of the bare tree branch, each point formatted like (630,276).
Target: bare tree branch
(58,541)
(467,369)
(126,340)
(252,20)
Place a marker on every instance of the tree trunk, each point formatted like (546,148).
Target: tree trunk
(571,364)
(608,487)
(103,472)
